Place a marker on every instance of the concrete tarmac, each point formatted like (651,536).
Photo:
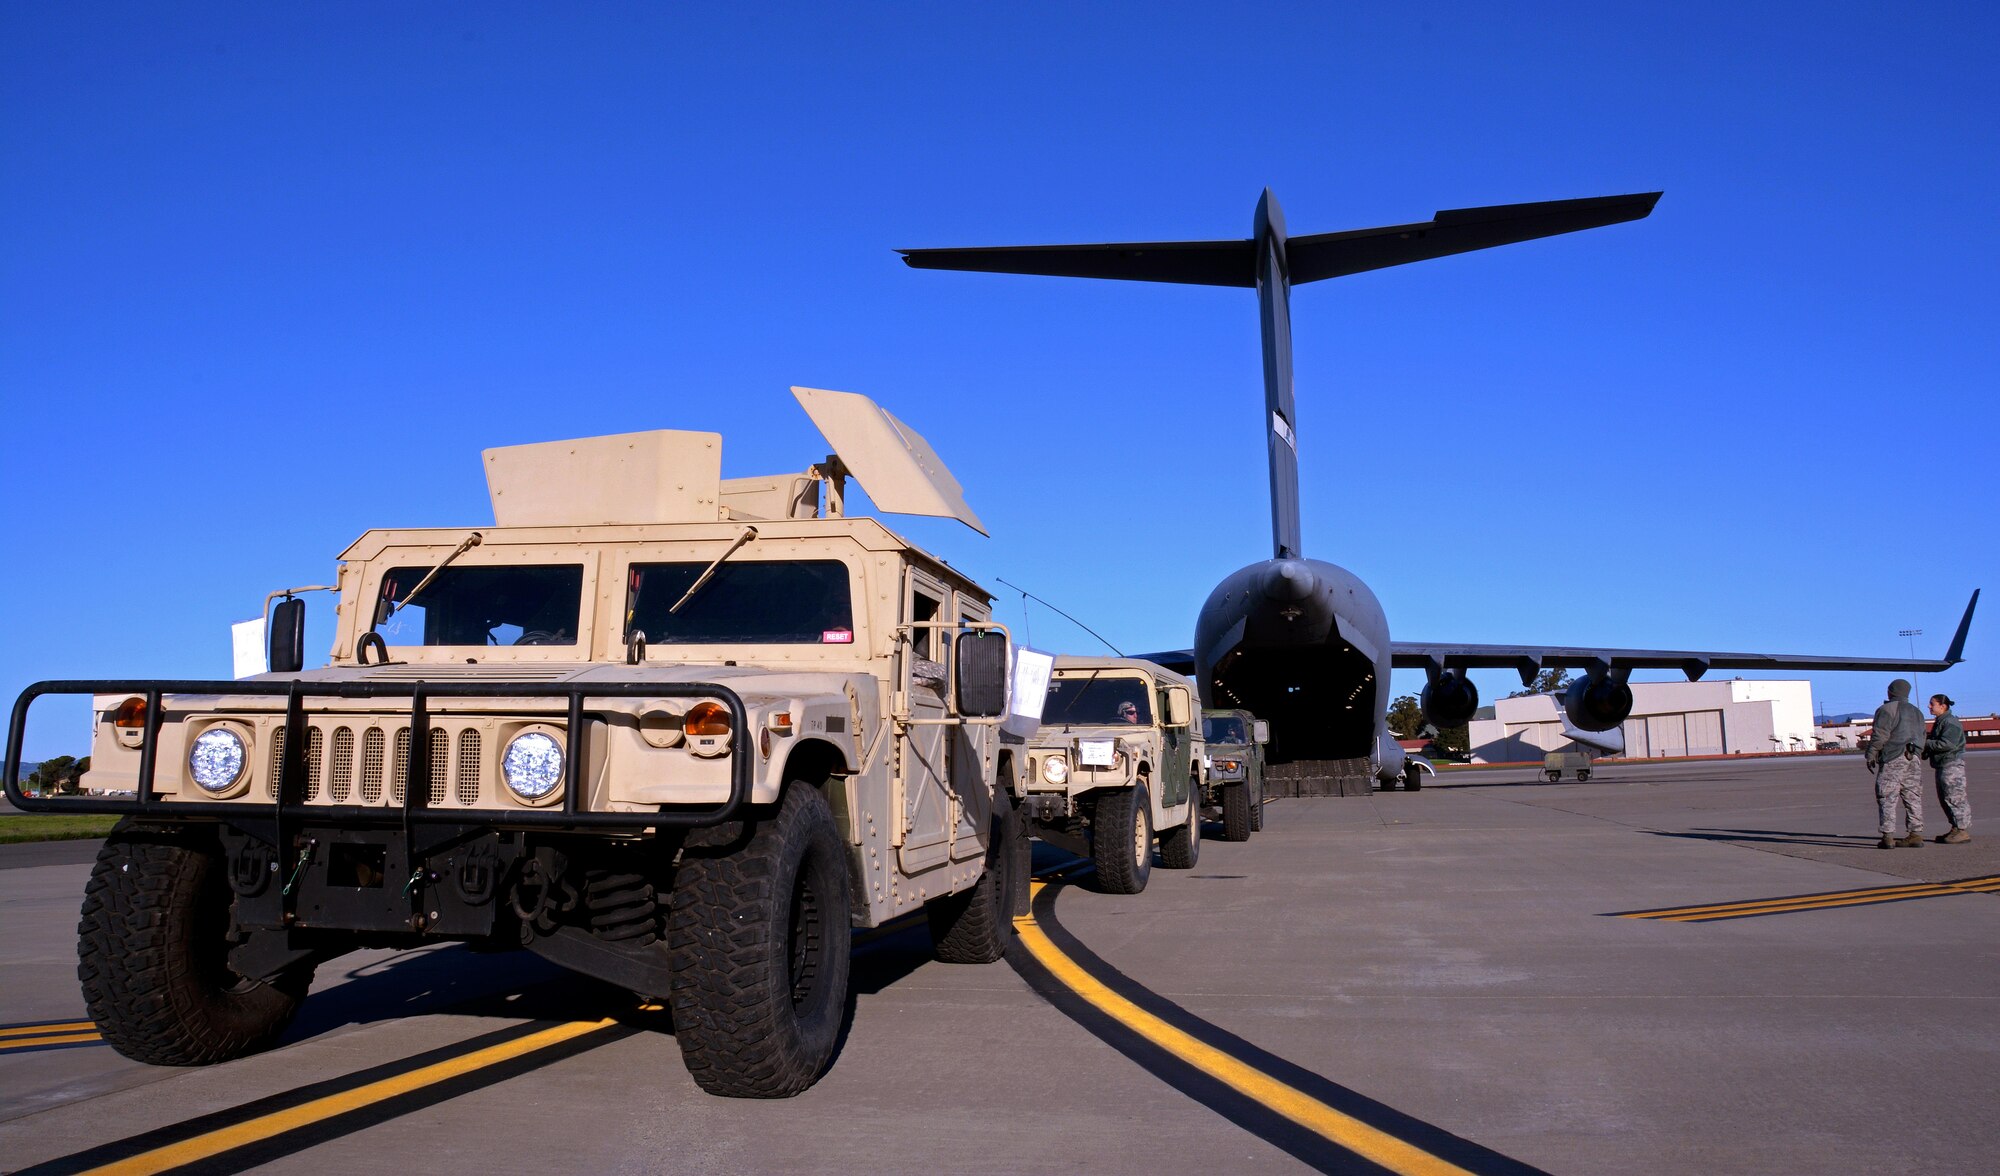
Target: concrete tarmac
(1461,959)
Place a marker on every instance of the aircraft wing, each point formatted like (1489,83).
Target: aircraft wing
(1531,659)
(1181,661)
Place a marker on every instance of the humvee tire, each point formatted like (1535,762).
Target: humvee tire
(1121,839)
(1257,809)
(973,926)
(1555,776)
(757,942)
(153,957)
(1236,807)
(1583,773)
(1413,780)
(1180,848)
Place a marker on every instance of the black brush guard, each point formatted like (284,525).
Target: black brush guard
(289,808)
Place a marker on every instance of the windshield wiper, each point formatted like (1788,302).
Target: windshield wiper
(471,541)
(749,533)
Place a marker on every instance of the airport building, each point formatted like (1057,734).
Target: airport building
(1722,717)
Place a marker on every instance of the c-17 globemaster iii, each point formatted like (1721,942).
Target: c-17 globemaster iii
(1304,643)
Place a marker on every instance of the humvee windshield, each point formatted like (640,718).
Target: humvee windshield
(772,602)
(1224,729)
(530,605)
(1096,701)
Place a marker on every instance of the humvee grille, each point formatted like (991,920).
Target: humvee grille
(340,774)
(315,760)
(467,767)
(440,766)
(399,776)
(371,765)
(456,776)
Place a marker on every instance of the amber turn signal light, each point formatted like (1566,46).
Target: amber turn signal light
(130,715)
(707,718)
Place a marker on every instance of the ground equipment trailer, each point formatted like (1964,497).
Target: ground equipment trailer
(1117,760)
(671,731)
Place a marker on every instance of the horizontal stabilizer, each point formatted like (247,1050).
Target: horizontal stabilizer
(1458,230)
(1309,259)
(1198,263)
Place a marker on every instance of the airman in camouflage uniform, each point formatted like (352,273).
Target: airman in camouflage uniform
(1892,756)
(1946,751)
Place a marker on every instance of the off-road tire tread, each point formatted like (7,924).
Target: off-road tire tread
(732,1005)
(975,925)
(1236,820)
(1180,847)
(1117,871)
(142,984)
(1257,810)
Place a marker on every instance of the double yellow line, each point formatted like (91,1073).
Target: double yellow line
(1336,1127)
(26,1037)
(255,1130)
(1715,912)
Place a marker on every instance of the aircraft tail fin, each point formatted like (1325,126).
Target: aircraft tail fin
(1956,653)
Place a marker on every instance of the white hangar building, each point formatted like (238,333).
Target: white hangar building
(1729,716)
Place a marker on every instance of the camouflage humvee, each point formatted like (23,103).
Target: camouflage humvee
(1118,756)
(671,731)
(1236,740)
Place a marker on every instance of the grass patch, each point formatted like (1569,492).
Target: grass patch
(44,827)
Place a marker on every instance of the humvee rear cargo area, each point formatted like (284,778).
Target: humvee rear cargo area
(1116,764)
(672,731)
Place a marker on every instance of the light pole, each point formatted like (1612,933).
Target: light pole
(1912,634)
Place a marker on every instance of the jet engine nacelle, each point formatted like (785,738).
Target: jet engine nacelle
(1449,700)
(1597,703)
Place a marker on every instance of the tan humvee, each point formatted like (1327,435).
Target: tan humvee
(672,731)
(1118,757)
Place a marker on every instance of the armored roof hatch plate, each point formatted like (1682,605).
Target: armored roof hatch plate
(660,476)
(892,461)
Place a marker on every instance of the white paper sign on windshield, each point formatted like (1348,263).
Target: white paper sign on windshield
(1094,753)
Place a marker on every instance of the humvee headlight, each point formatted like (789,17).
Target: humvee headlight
(1055,769)
(708,726)
(533,765)
(1228,765)
(216,760)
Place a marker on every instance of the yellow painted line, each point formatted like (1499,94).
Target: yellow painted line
(14,1043)
(1341,1129)
(1711,908)
(263,1127)
(1862,898)
(57,1027)
(1807,904)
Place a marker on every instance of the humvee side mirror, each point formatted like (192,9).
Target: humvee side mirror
(288,636)
(982,674)
(1180,708)
(1260,731)
(384,609)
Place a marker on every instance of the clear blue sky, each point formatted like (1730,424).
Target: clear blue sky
(272,274)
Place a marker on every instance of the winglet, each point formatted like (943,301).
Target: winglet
(1956,653)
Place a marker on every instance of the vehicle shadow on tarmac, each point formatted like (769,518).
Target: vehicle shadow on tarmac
(521,986)
(1772,837)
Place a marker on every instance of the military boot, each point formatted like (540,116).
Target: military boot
(1957,836)
(1885,843)
(1911,841)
